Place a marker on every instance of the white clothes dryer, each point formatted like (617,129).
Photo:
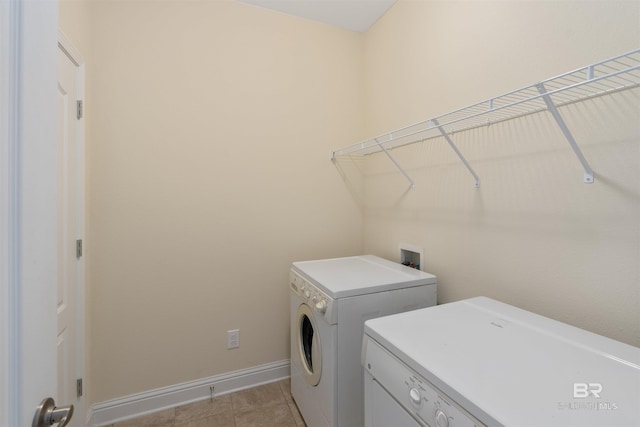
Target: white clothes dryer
(330,301)
(480,362)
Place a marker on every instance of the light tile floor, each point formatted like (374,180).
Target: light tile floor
(268,405)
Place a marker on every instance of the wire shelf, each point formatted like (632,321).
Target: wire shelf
(615,74)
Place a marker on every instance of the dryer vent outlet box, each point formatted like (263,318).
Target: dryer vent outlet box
(411,256)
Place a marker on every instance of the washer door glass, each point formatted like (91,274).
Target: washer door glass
(308,345)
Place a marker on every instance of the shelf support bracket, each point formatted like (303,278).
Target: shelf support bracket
(453,146)
(588,172)
(413,186)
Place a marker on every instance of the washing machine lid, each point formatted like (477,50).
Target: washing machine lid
(359,275)
(508,366)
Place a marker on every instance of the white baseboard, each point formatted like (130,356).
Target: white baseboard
(135,405)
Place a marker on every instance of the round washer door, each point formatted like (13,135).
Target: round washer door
(308,345)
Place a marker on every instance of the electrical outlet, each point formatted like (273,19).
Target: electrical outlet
(233,338)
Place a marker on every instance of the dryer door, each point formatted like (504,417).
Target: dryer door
(308,345)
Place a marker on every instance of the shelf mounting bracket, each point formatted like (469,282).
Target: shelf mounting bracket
(413,186)
(453,146)
(588,172)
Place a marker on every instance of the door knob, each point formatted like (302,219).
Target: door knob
(47,414)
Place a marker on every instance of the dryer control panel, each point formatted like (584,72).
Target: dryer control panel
(419,398)
(311,295)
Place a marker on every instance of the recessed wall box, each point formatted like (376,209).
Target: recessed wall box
(411,256)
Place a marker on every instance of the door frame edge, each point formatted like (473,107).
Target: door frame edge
(10,253)
(65,45)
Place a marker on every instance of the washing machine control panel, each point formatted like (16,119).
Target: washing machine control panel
(419,397)
(319,301)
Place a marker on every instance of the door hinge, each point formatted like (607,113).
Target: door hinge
(78,248)
(79,387)
(79,109)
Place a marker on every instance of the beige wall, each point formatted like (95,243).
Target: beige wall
(74,21)
(210,173)
(534,234)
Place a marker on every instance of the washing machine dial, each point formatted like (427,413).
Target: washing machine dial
(441,418)
(321,306)
(307,293)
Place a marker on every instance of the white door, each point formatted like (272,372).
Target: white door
(28,208)
(70,228)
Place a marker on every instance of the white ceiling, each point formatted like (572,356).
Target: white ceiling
(355,15)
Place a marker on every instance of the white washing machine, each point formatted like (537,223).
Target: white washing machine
(330,301)
(480,362)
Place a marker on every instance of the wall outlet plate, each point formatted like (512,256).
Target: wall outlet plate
(233,338)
